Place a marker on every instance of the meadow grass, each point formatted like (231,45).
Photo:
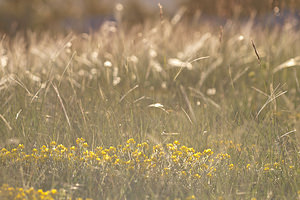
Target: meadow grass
(163,111)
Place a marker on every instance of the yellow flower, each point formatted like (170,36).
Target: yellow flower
(80,140)
(117,161)
(183,148)
(191,150)
(145,144)
(166,169)
(197,155)
(179,153)
(248,166)
(266,169)
(131,141)
(112,149)
(53,143)
(40,191)
(72,148)
(3,150)
(85,145)
(231,166)
(208,152)
(30,190)
(53,191)
(190,197)
(197,176)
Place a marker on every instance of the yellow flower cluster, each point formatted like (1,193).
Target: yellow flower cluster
(171,161)
(276,166)
(7,192)
(172,158)
(167,160)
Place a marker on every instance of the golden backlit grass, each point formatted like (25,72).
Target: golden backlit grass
(166,110)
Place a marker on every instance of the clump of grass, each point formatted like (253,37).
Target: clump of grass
(153,84)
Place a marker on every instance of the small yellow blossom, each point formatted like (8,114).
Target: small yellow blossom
(197,176)
(80,140)
(190,197)
(53,143)
(85,145)
(131,141)
(72,148)
(266,169)
(40,191)
(248,166)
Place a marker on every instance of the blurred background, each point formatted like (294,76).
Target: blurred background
(86,15)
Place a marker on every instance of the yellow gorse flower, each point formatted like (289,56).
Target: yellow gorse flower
(164,159)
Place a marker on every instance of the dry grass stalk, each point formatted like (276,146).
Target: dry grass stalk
(271,98)
(187,115)
(206,73)
(239,74)
(293,62)
(62,104)
(20,83)
(188,103)
(286,134)
(121,99)
(66,68)
(6,122)
(161,13)
(297,81)
(256,52)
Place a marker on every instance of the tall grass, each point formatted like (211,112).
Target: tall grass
(158,83)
